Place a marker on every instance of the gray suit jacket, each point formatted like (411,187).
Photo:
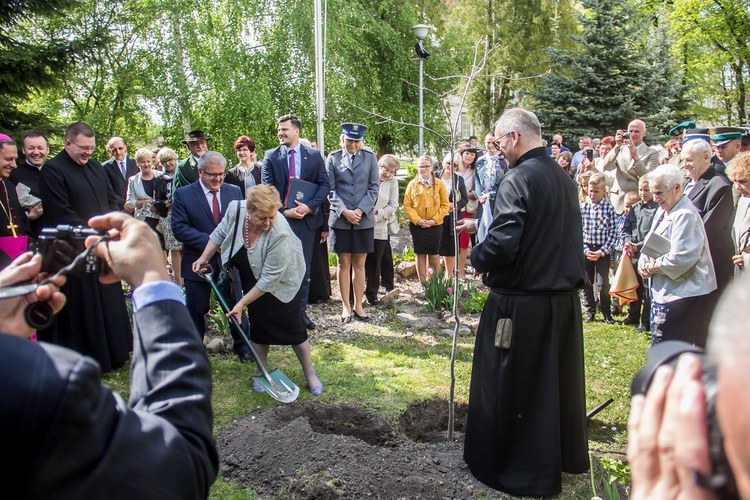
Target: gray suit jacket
(353,185)
(68,436)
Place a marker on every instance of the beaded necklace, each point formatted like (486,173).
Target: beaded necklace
(9,212)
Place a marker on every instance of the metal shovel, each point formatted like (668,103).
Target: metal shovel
(276,384)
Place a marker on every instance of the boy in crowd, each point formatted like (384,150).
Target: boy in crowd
(636,227)
(599,236)
(631,198)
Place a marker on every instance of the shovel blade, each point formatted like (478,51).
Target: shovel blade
(281,388)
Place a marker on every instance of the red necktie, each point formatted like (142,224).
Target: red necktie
(215,210)
(292,165)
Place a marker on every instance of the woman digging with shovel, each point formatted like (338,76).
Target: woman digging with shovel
(271,270)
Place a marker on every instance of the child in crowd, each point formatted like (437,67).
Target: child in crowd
(583,186)
(599,224)
(630,199)
(637,226)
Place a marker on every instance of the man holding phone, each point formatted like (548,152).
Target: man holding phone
(630,159)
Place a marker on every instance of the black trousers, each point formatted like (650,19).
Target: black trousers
(640,310)
(599,271)
(307,237)
(379,267)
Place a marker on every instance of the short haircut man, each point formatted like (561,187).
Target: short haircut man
(711,193)
(308,165)
(119,168)
(631,158)
(196,211)
(75,188)
(25,177)
(524,363)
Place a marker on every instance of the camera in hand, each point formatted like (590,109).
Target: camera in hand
(626,135)
(59,246)
(721,479)
(589,154)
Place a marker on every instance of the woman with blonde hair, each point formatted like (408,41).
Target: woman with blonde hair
(426,205)
(456,188)
(140,194)
(271,266)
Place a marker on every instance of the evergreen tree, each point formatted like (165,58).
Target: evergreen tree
(608,80)
(27,65)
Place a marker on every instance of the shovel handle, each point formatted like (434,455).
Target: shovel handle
(206,273)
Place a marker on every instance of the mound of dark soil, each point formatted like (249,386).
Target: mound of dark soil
(314,450)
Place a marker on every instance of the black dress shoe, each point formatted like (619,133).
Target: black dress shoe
(590,317)
(361,318)
(630,321)
(308,323)
(642,328)
(373,302)
(346,319)
(608,319)
(246,357)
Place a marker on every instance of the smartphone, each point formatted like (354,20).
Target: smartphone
(590,154)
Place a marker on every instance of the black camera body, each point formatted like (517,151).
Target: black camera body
(59,246)
(626,135)
(721,479)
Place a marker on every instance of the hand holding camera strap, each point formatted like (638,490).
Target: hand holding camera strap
(39,315)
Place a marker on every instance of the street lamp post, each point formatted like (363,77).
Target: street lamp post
(420,31)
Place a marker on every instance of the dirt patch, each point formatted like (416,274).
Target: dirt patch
(427,422)
(314,450)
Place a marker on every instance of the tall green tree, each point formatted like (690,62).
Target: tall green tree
(713,40)
(610,78)
(31,61)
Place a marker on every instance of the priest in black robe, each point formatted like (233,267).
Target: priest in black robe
(527,418)
(74,188)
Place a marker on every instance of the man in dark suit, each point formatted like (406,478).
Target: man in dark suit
(119,169)
(70,436)
(196,211)
(711,193)
(293,159)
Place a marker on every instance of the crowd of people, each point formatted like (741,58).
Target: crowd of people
(266,227)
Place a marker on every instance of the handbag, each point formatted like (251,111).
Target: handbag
(393,226)
(225,276)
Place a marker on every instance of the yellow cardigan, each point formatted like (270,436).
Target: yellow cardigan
(422,202)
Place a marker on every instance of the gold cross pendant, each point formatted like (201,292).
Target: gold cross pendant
(13,228)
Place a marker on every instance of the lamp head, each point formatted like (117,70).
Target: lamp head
(420,31)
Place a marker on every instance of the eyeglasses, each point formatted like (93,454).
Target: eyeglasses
(496,142)
(85,149)
(423,167)
(220,175)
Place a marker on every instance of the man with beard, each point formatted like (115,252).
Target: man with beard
(75,188)
(527,418)
(293,159)
(25,177)
(187,170)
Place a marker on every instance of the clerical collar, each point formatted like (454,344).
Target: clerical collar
(34,166)
(532,153)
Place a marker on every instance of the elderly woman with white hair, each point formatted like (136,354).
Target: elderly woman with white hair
(680,268)
(456,188)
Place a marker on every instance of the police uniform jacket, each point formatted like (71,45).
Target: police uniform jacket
(354,184)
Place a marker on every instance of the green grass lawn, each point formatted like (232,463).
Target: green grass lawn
(384,369)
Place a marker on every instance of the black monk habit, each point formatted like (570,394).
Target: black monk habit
(527,417)
(94,321)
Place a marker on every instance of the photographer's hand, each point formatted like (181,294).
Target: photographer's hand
(133,254)
(667,435)
(26,268)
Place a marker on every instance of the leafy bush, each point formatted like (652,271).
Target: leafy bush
(406,255)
